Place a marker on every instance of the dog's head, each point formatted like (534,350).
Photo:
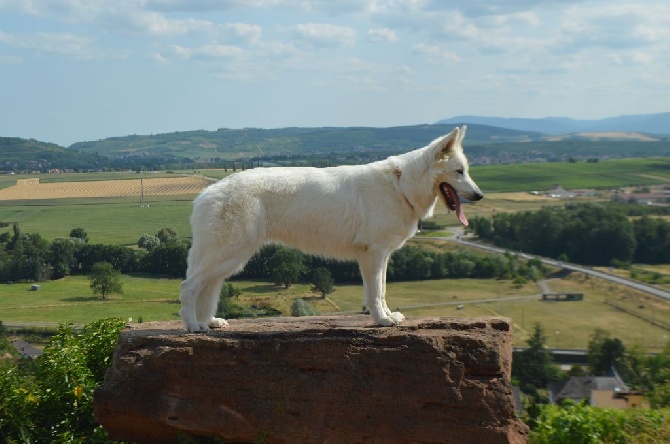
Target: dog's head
(451,173)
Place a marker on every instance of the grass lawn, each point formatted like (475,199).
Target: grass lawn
(567,324)
(117,221)
(71,300)
(600,175)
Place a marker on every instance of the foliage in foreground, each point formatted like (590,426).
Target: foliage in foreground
(51,399)
(581,424)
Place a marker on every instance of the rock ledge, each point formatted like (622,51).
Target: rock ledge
(314,380)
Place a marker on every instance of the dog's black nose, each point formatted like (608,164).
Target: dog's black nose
(477,196)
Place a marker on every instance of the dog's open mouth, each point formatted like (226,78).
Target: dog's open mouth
(453,202)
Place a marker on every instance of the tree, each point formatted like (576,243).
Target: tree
(533,366)
(604,352)
(648,373)
(322,281)
(79,233)
(25,260)
(167,259)
(120,256)
(105,279)
(166,235)
(61,257)
(148,242)
(287,265)
(227,306)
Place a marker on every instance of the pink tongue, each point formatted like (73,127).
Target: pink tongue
(459,210)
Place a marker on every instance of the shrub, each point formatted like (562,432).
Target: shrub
(52,400)
(301,308)
(581,424)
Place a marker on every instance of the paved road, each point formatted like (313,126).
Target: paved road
(649,289)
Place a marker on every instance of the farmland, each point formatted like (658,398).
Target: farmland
(108,207)
(601,175)
(61,202)
(33,188)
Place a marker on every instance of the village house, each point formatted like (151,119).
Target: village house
(559,192)
(660,199)
(26,350)
(599,391)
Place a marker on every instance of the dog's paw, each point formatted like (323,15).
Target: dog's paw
(218,323)
(397,317)
(197,327)
(385,321)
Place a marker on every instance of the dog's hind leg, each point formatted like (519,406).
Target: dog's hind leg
(208,267)
(371,264)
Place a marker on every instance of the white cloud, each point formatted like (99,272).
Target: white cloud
(208,52)
(526,18)
(618,25)
(242,32)
(60,44)
(10,60)
(382,35)
(159,58)
(436,55)
(323,35)
(329,6)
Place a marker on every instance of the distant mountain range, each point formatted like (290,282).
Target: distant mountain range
(643,123)
(489,140)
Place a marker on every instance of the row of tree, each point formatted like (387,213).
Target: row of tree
(29,257)
(589,234)
(287,266)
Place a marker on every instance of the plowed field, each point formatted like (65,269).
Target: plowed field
(26,189)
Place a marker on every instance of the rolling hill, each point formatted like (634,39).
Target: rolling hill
(29,154)
(643,123)
(324,146)
(255,142)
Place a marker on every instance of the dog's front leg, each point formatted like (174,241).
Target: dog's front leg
(395,315)
(373,270)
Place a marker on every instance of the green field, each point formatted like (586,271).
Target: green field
(600,175)
(122,221)
(567,324)
(119,221)
(71,300)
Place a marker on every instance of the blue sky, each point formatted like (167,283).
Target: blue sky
(76,70)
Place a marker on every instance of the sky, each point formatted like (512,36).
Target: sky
(80,70)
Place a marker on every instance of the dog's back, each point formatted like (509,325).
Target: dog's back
(330,205)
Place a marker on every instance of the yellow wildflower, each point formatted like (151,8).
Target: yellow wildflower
(78,392)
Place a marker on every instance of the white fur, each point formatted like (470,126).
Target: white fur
(362,212)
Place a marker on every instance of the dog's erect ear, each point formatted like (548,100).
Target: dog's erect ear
(445,145)
(462,134)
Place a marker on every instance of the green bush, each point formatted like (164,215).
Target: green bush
(51,400)
(301,308)
(581,424)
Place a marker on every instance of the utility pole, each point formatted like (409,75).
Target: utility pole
(141,192)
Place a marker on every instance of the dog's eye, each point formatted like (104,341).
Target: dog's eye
(460,171)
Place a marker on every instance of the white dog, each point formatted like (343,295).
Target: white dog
(362,212)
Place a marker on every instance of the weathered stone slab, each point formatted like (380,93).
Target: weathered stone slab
(314,380)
